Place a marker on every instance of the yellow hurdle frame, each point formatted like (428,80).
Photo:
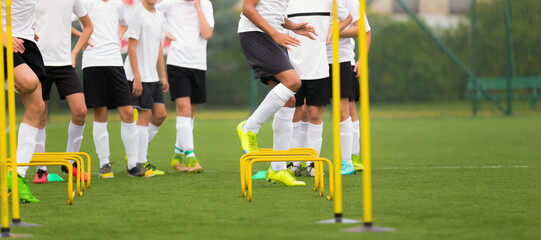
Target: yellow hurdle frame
(294,154)
(80,165)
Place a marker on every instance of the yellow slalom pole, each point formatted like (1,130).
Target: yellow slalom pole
(3,150)
(365,119)
(336,116)
(11,109)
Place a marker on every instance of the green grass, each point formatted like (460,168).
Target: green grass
(432,179)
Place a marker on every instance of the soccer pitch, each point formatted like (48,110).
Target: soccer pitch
(450,178)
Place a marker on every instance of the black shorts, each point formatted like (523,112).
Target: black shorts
(106,87)
(346,74)
(264,56)
(316,92)
(187,82)
(354,87)
(66,80)
(152,94)
(31,56)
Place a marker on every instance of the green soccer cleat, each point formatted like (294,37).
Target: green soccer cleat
(177,163)
(356,159)
(284,177)
(193,165)
(24,191)
(153,168)
(248,140)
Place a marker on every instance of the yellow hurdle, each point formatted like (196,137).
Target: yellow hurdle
(80,183)
(294,154)
(80,165)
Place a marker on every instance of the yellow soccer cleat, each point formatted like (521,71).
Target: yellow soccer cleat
(283,177)
(248,140)
(356,159)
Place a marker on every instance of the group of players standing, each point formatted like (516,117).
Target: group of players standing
(43,56)
(291,53)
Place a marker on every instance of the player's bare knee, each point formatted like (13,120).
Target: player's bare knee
(26,85)
(79,113)
(290,103)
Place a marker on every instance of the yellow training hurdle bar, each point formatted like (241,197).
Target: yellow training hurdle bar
(66,163)
(75,156)
(294,154)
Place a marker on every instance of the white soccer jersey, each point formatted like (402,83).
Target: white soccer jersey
(190,48)
(22,18)
(106,17)
(310,58)
(147,28)
(273,11)
(53,26)
(347,45)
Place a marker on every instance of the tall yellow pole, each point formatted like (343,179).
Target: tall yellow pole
(336,116)
(11,110)
(365,119)
(3,148)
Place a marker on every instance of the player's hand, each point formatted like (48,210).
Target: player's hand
(73,59)
(305,30)
(137,87)
(87,44)
(165,85)
(36,37)
(18,46)
(169,37)
(356,69)
(285,40)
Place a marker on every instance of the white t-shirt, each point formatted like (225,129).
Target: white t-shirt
(105,17)
(346,51)
(147,28)
(190,48)
(273,11)
(53,26)
(310,58)
(22,18)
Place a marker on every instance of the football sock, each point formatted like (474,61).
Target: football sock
(304,129)
(142,133)
(40,146)
(282,128)
(345,140)
(356,147)
(296,138)
(315,138)
(152,131)
(185,134)
(190,154)
(274,100)
(26,144)
(129,135)
(75,137)
(101,141)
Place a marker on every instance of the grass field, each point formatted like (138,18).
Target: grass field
(450,178)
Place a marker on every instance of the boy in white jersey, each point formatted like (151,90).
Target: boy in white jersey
(191,24)
(352,32)
(145,34)
(346,57)
(264,44)
(53,26)
(310,61)
(104,83)
(28,71)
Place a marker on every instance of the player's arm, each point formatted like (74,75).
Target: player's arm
(132,53)
(204,27)
(88,28)
(161,70)
(368,41)
(78,34)
(121,31)
(300,28)
(248,9)
(341,26)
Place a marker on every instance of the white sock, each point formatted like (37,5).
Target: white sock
(274,100)
(101,141)
(282,127)
(75,137)
(296,138)
(40,145)
(129,135)
(315,138)
(356,146)
(152,131)
(184,133)
(193,122)
(304,129)
(345,140)
(142,133)
(26,144)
